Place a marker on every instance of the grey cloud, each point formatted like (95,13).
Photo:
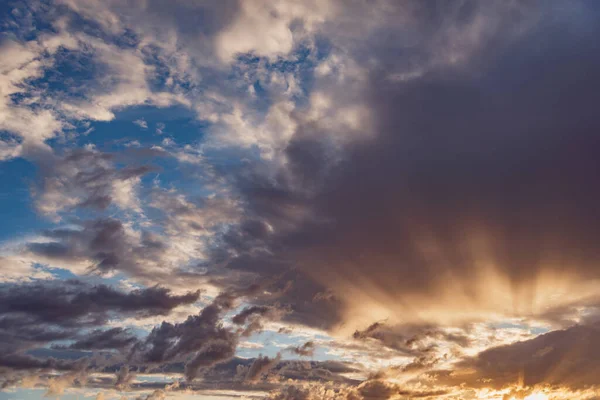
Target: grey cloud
(83,178)
(493,165)
(36,314)
(243,315)
(254,316)
(305,350)
(237,370)
(211,353)
(103,243)
(261,366)
(201,337)
(115,338)
(10,362)
(74,302)
(563,358)
(124,378)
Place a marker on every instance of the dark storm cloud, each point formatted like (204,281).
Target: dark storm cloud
(468,168)
(73,302)
(568,358)
(202,339)
(35,314)
(190,347)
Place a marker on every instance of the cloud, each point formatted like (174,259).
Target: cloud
(32,125)
(306,350)
(87,178)
(563,358)
(202,336)
(141,123)
(411,340)
(124,378)
(39,313)
(261,366)
(445,219)
(11,362)
(115,338)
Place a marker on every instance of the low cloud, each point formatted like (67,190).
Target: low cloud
(564,358)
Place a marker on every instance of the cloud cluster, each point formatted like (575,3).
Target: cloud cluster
(473,197)
(562,358)
(35,314)
(203,336)
(87,178)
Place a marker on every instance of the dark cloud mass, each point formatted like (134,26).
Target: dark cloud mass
(36,314)
(469,173)
(202,336)
(560,358)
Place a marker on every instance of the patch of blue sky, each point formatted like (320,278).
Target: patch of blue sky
(24,394)
(509,325)
(91,277)
(522,326)
(19,218)
(61,273)
(71,75)
(20,19)
(268,340)
(59,353)
(176,122)
(127,140)
(40,393)
(257,71)
(538,330)
(274,342)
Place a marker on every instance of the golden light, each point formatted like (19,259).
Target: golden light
(536,396)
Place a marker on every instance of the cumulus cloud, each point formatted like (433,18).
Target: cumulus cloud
(202,336)
(47,312)
(260,366)
(87,178)
(141,123)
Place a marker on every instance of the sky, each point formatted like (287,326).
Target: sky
(299,199)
